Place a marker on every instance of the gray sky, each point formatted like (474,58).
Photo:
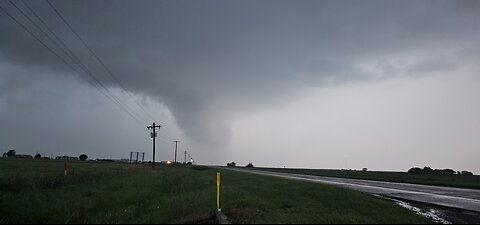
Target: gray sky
(386,85)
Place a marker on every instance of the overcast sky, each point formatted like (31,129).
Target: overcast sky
(386,85)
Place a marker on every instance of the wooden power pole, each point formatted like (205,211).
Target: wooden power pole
(153,135)
(176,145)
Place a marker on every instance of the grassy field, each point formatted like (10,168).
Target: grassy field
(472,182)
(35,191)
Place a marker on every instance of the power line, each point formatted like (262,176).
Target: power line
(70,53)
(36,38)
(62,59)
(48,29)
(79,63)
(109,71)
(67,51)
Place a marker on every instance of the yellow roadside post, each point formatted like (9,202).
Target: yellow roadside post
(65,168)
(218,191)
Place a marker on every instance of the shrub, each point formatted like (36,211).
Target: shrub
(11,153)
(83,157)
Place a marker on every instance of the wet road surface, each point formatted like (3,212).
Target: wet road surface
(459,198)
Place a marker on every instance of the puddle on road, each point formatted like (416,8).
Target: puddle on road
(432,214)
(427,212)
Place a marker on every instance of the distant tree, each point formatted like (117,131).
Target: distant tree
(4,155)
(232,164)
(38,156)
(83,157)
(428,170)
(365,169)
(11,153)
(415,170)
(250,165)
(449,172)
(467,173)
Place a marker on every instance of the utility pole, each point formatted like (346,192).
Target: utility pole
(138,156)
(185,157)
(176,144)
(153,135)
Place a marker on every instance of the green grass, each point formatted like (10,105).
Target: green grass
(251,198)
(101,193)
(459,181)
(35,191)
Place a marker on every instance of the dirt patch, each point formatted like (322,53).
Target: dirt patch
(206,218)
(243,215)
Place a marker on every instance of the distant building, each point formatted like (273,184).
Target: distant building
(66,158)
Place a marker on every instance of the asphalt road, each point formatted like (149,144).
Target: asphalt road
(459,198)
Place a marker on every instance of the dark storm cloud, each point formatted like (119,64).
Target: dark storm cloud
(210,61)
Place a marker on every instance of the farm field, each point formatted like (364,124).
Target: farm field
(458,181)
(36,191)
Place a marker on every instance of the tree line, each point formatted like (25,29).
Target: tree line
(429,171)
(13,154)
